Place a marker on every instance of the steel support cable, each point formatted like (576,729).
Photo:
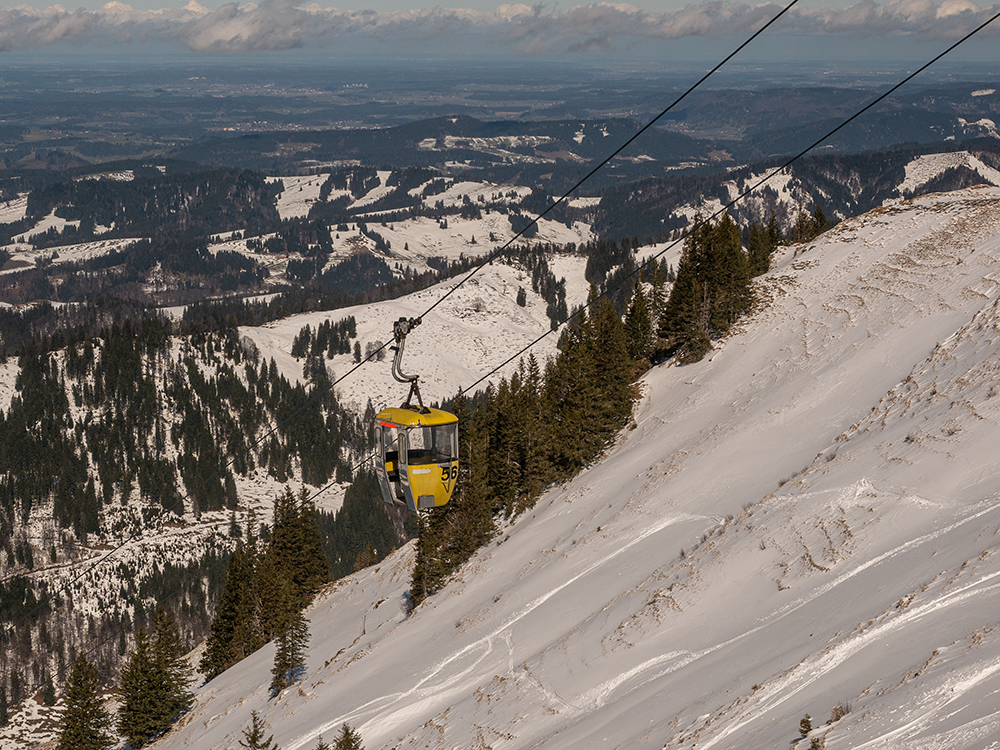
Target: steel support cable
(733,202)
(699,224)
(489,259)
(499,251)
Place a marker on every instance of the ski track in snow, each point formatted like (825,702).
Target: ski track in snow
(785,690)
(425,690)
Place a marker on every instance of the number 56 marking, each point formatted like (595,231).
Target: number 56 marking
(448,474)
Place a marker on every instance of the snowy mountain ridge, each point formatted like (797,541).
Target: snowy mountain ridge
(805,522)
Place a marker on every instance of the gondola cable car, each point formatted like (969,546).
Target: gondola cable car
(416,446)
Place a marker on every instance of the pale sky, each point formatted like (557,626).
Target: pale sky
(488,6)
(517,29)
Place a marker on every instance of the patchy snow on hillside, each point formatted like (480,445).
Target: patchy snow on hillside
(123,175)
(470,333)
(49,222)
(9,371)
(457,192)
(14,209)
(299,193)
(24,255)
(379,191)
(806,521)
(414,240)
(925,168)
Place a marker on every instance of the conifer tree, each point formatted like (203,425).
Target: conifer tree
(612,372)
(48,692)
(763,239)
(3,703)
(729,274)
(85,724)
(220,647)
(171,666)
(236,629)
(503,468)
(253,735)
(296,543)
(639,328)
(711,291)
(321,745)
(683,323)
(532,426)
(291,639)
(819,222)
(774,230)
(270,588)
(141,695)
(348,739)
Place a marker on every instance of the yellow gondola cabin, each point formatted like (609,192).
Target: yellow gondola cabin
(417,456)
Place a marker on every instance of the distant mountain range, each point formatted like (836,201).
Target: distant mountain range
(708,130)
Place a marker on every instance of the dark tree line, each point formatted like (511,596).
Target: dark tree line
(711,291)
(268,584)
(154,688)
(188,204)
(330,339)
(534,429)
(124,416)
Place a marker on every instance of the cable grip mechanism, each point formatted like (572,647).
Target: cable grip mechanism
(399,331)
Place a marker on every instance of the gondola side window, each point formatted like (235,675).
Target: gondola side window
(432,444)
(390,446)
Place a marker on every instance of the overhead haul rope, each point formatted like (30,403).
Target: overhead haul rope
(489,259)
(493,255)
(733,202)
(697,225)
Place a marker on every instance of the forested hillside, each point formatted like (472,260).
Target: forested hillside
(137,418)
(842,185)
(122,437)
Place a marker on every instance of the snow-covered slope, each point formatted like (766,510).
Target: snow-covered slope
(806,519)
(469,334)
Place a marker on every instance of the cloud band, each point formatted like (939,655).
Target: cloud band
(285,24)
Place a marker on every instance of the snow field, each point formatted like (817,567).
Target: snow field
(764,543)
(925,168)
(299,193)
(469,334)
(14,209)
(24,255)
(49,222)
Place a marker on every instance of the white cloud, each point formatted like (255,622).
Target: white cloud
(287,24)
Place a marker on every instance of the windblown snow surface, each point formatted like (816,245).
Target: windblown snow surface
(808,517)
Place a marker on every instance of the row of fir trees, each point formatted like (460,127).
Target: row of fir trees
(268,585)
(546,423)
(254,739)
(154,690)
